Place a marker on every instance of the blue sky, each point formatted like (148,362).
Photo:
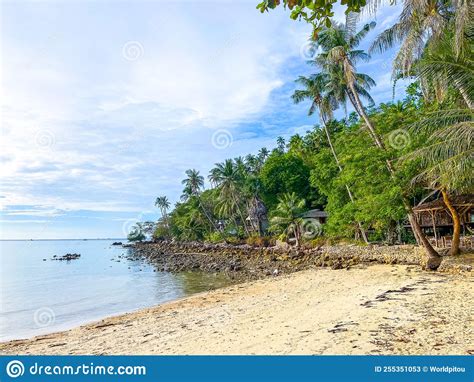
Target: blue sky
(105,104)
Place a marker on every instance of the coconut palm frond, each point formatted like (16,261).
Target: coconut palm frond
(441,118)
(364,94)
(388,38)
(356,38)
(365,80)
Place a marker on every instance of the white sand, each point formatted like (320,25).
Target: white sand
(318,311)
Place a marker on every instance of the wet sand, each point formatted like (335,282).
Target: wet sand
(380,309)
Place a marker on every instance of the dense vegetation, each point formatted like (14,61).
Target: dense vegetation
(366,170)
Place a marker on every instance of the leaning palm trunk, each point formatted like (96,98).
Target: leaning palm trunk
(351,197)
(456,224)
(360,110)
(434,259)
(205,213)
(240,214)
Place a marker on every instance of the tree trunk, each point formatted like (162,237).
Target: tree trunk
(297,235)
(456,224)
(434,259)
(417,238)
(205,213)
(360,110)
(241,215)
(351,197)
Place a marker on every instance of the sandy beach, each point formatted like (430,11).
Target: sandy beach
(380,309)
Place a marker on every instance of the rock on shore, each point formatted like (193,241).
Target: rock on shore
(247,262)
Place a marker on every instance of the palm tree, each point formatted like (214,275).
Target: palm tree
(263,154)
(192,188)
(229,180)
(314,90)
(192,184)
(337,59)
(447,159)
(422,22)
(281,144)
(286,216)
(251,162)
(240,166)
(441,68)
(163,204)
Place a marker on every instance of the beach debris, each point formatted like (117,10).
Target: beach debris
(67,257)
(275,272)
(341,327)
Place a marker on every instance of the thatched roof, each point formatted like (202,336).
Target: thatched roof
(313,214)
(457,201)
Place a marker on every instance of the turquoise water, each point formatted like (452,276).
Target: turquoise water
(39,297)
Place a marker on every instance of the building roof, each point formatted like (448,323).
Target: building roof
(314,214)
(457,201)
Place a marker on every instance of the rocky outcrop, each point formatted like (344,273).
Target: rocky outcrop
(247,262)
(67,257)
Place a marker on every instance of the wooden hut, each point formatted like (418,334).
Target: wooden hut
(316,214)
(437,223)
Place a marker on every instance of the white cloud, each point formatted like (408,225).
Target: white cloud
(84,128)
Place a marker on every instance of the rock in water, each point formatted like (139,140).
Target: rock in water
(67,257)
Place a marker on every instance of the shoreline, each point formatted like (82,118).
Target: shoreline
(245,262)
(381,309)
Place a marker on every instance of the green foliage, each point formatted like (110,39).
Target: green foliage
(286,218)
(136,233)
(284,173)
(363,169)
(215,237)
(316,12)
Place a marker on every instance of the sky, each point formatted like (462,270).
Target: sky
(105,104)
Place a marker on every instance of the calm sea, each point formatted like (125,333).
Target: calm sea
(40,296)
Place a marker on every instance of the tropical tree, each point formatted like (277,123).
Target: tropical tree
(339,56)
(318,13)
(263,154)
(281,144)
(440,70)
(287,216)
(315,90)
(338,59)
(228,179)
(137,233)
(193,184)
(285,173)
(163,204)
(420,23)
(447,159)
